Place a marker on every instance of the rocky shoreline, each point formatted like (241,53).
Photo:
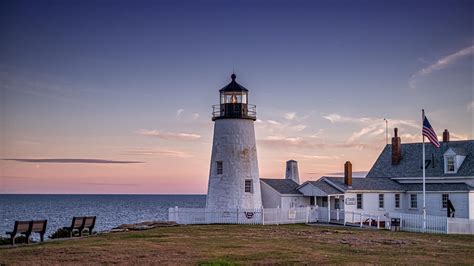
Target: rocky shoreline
(142,226)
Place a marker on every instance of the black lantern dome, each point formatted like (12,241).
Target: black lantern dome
(233,86)
(234,102)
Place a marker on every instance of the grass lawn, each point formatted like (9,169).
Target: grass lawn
(244,244)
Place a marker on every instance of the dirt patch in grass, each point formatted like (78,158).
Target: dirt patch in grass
(243,244)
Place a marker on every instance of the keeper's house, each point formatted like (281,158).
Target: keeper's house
(394,184)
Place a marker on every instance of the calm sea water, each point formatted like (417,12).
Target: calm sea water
(111,210)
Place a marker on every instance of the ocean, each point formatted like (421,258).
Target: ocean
(111,210)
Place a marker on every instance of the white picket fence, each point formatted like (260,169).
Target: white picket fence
(239,216)
(460,226)
(414,223)
(408,222)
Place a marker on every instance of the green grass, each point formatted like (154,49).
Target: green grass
(247,244)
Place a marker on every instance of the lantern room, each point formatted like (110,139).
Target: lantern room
(234,103)
(234,93)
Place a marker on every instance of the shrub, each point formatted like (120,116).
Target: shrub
(60,233)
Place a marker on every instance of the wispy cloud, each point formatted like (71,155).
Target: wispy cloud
(179,112)
(290,116)
(455,136)
(370,126)
(111,184)
(336,118)
(169,135)
(68,160)
(308,143)
(440,64)
(159,152)
(275,127)
(195,116)
(470,106)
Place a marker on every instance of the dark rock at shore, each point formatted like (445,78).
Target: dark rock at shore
(142,226)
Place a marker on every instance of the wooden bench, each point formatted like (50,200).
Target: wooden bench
(89,223)
(27,228)
(80,223)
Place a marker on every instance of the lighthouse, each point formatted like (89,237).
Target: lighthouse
(233,177)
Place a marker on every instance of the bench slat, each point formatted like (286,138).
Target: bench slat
(39,226)
(22,226)
(77,222)
(89,221)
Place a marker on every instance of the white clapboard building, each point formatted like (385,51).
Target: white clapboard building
(393,185)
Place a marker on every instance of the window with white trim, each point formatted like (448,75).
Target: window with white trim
(444,200)
(413,201)
(336,204)
(450,164)
(397,201)
(381,201)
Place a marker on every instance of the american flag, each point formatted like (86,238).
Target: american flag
(430,133)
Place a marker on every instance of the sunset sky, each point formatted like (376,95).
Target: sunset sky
(116,96)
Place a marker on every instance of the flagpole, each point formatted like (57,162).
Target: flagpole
(423,166)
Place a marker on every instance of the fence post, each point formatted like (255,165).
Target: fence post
(263,216)
(345,214)
(307,214)
(237,215)
(361,220)
(447,225)
(176,214)
(401,222)
(279,215)
(378,222)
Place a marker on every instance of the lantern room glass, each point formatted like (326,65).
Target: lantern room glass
(234,97)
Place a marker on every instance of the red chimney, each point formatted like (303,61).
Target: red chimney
(446,136)
(396,148)
(348,174)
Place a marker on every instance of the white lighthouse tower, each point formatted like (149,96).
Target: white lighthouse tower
(233,176)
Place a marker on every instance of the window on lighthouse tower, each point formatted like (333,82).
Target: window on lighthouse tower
(219,168)
(248,185)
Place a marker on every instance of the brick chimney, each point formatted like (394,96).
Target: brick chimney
(396,148)
(446,136)
(348,174)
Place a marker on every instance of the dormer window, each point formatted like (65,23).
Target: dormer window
(450,167)
(453,159)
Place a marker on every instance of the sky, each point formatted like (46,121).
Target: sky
(115,96)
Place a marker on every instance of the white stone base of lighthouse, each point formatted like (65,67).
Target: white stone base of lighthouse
(234,145)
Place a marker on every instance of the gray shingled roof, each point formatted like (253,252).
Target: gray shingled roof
(283,186)
(325,187)
(380,184)
(438,187)
(410,164)
(366,183)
